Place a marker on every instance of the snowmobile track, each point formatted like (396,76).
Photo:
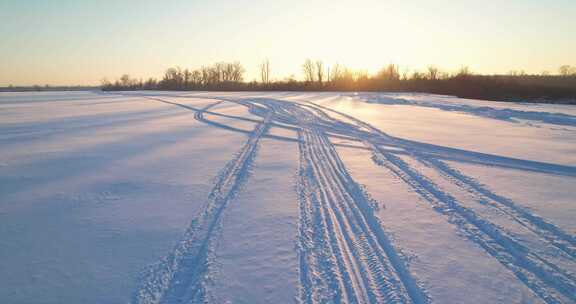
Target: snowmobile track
(180,276)
(345,254)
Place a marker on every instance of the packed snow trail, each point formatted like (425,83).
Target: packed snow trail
(345,254)
(549,281)
(180,277)
(541,276)
(480,210)
(539,273)
(533,222)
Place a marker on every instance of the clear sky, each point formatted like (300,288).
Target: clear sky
(80,42)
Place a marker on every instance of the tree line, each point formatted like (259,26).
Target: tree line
(319,77)
(218,76)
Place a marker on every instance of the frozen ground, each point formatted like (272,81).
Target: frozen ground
(179,197)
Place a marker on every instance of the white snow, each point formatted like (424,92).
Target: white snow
(281,197)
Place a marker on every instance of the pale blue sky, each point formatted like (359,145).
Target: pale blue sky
(81,42)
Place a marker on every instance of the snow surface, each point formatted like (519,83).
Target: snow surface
(255,197)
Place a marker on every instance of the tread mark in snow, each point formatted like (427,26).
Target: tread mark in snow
(344,252)
(550,282)
(534,271)
(180,276)
(345,256)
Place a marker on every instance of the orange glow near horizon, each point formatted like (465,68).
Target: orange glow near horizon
(78,43)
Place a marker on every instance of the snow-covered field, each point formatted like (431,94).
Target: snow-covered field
(180,197)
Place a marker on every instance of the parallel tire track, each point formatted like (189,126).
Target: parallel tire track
(546,230)
(181,276)
(345,256)
(344,253)
(538,225)
(547,280)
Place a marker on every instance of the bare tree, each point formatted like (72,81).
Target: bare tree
(309,70)
(237,74)
(389,72)
(104,82)
(227,72)
(565,70)
(361,75)
(348,76)
(405,73)
(416,75)
(196,78)
(125,80)
(151,83)
(464,72)
(432,72)
(219,72)
(187,78)
(336,74)
(265,71)
(319,71)
(205,75)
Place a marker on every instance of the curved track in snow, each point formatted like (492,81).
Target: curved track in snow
(181,276)
(345,253)
(547,280)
